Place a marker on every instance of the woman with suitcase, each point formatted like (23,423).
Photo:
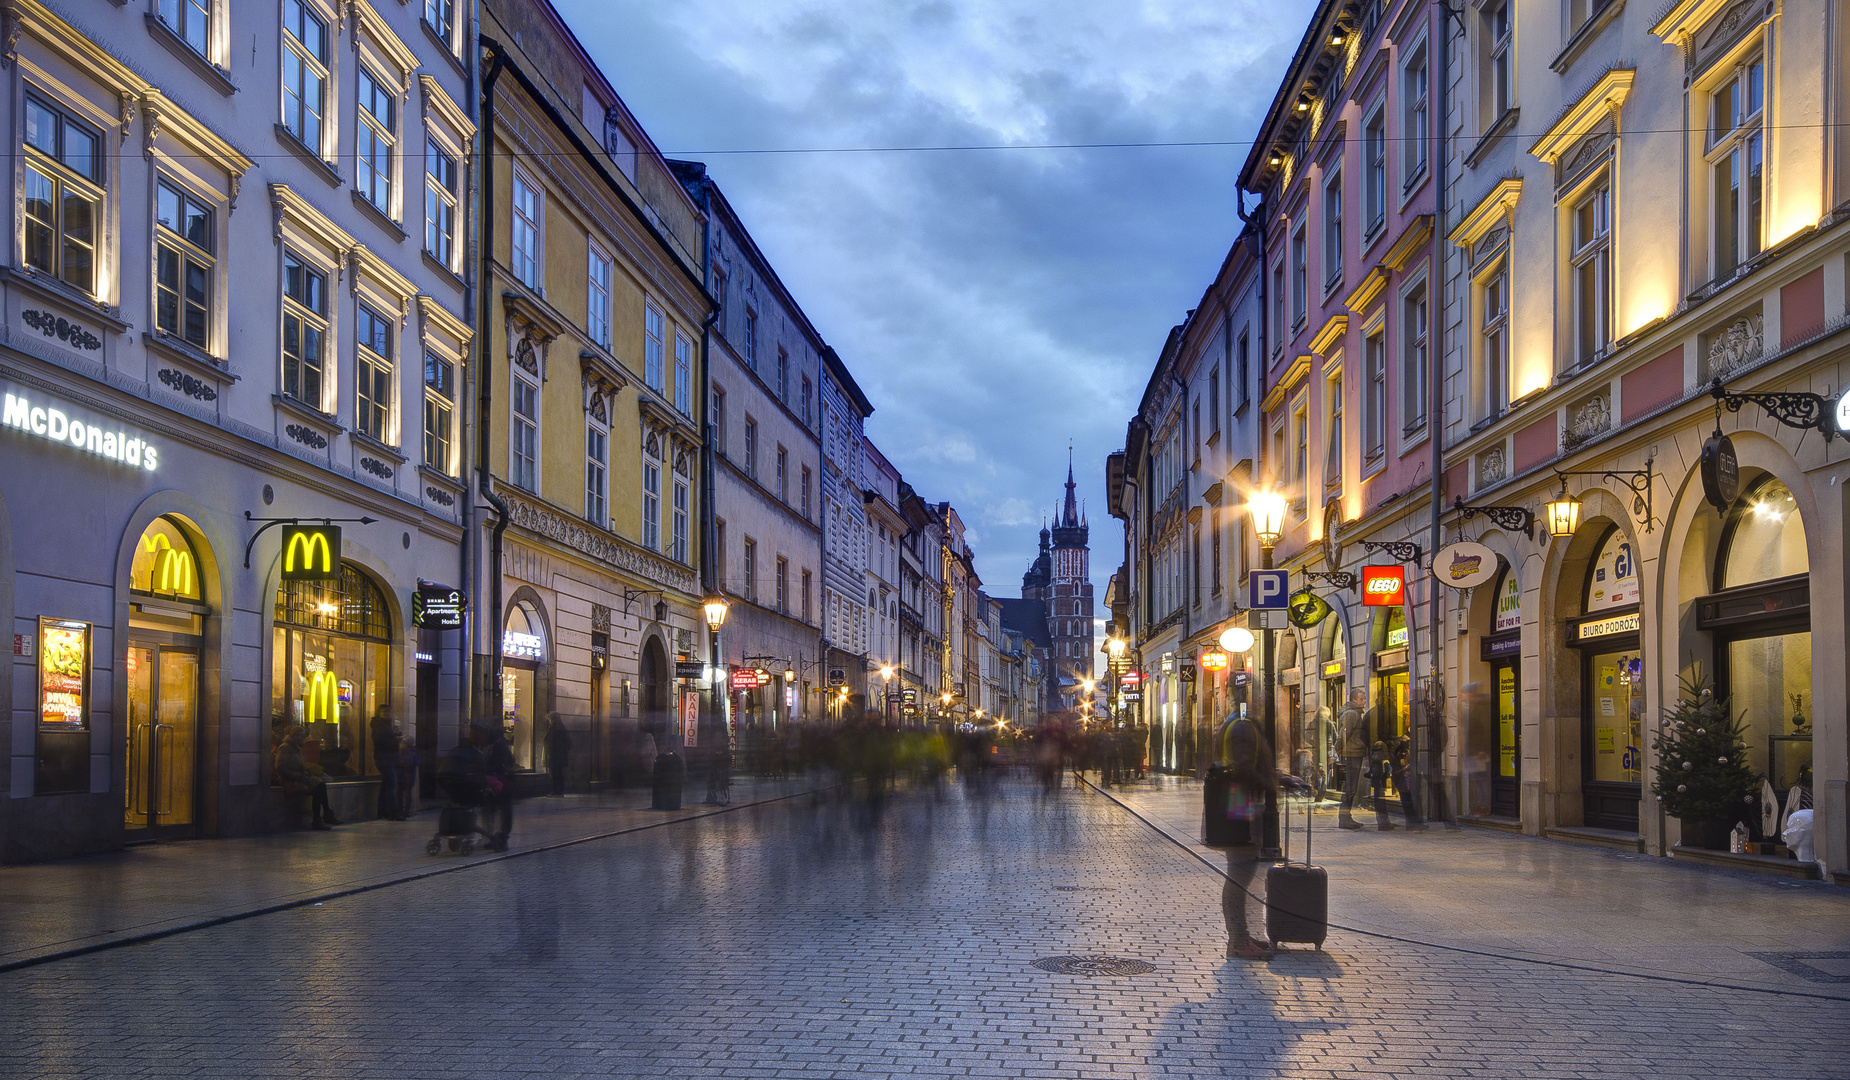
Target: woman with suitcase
(1246,765)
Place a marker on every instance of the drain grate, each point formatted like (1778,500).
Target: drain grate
(1082,888)
(1093,966)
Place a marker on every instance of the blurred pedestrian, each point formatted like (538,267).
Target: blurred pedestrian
(298,779)
(1247,757)
(558,752)
(1399,757)
(1380,770)
(386,737)
(408,762)
(1352,748)
(492,741)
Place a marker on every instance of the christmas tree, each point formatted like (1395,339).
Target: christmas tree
(1702,772)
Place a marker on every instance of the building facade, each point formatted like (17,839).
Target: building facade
(230,275)
(846,616)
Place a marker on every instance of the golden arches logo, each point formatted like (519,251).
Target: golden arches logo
(171,570)
(311,553)
(321,698)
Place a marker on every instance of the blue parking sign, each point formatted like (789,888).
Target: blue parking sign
(1266,589)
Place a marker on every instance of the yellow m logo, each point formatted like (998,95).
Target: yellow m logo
(321,699)
(311,553)
(171,569)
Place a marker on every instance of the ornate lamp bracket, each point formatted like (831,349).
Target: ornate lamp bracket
(1514,518)
(1398,550)
(1341,579)
(1638,480)
(1794,408)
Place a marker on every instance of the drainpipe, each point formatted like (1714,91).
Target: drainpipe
(1437,805)
(484,297)
(470,571)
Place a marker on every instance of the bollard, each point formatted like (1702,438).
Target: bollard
(670,774)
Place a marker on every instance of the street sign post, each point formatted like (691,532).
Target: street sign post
(1266,589)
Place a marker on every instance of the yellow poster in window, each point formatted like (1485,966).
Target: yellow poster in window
(1506,721)
(1604,740)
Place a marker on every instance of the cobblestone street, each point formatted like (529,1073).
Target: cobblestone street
(820,938)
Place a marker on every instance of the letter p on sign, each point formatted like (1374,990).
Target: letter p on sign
(1266,589)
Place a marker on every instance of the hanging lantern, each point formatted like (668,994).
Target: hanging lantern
(1563,513)
(1236,639)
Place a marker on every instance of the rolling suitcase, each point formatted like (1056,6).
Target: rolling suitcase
(1297,898)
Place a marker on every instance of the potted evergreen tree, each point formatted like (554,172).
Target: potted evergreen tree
(1702,777)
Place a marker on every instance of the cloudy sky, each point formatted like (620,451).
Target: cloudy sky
(995,305)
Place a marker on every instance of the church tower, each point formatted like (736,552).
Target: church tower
(1069,598)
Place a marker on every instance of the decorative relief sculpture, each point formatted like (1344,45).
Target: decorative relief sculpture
(186,384)
(439,496)
(1492,467)
(574,534)
(307,436)
(1592,418)
(376,467)
(1735,347)
(54,326)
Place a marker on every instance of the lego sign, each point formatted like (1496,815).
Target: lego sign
(1384,586)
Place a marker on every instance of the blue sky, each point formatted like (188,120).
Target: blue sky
(995,305)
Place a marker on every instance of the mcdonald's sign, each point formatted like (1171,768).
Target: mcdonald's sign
(172,569)
(311,552)
(321,697)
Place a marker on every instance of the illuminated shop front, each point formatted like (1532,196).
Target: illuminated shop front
(331,669)
(165,644)
(1612,681)
(1501,648)
(525,682)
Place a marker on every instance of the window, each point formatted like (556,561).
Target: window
(597,473)
(1374,413)
(806,493)
(783,475)
(1195,572)
(1582,10)
(305,72)
(191,19)
(440,205)
(1495,343)
(807,615)
(679,550)
(1243,369)
(651,504)
(751,338)
(783,375)
(719,549)
(783,584)
(439,413)
(1278,307)
(305,322)
(373,141)
(1333,231)
(1214,545)
(597,297)
(524,436)
(1214,402)
(1333,446)
(526,232)
(1736,166)
(751,447)
(1374,170)
(441,16)
(751,570)
(719,418)
(806,397)
(1195,456)
(64,166)
(1300,420)
(1499,87)
(1592,271)
(372,403)
(1413,361)
(1299,292)
(652,332)
(1414,120)
(182,265)
(684,374)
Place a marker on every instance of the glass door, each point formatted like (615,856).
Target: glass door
(162,737)
(1612,735)
(1505,781)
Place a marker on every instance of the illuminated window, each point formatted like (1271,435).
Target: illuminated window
(1495,342)
(373,374)
(1374,407)
(374,139)
(440,205)
(1333,231)
(305,73)
(331,661)
(165,564)
(63,177)
(1736,166)
(305,324)
(183,245)
(439,414)
(1374,169)
(1592,271)
(1414,359)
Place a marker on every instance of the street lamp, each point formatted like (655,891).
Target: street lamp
(715,607)
(1563,513)
(1268,511)
(886,692)
(1236,639)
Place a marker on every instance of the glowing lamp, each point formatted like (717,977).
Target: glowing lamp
(1214,660)
(1268,510)
(715,608)
(1563,513)
(1236,639)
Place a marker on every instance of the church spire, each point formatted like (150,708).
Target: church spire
(1069,515)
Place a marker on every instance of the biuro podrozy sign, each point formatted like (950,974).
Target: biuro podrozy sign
(46,420)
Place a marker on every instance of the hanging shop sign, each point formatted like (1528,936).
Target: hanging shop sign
(694,670)
(1608,627)
(437,607)
(1843,413)
(311,552)
(1721,469)
(746,678)
(1384,586)
(690,717)
(1186,672)
(49,420)
(1307,610)
(1214,660)
(1332,669)
(1132,695)
(1464,565)
(1133,677)
(64,674)
(522,646)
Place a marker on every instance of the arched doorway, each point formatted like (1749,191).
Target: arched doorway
(1501,649)
(167,613)
(653,681)
(1612,686)
(1760,619)
(526,653)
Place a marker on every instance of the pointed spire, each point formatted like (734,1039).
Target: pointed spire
(1069,515)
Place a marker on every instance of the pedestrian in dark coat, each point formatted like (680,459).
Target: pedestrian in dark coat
(293,773)
(1400,756)
(1352,748)
(1246,754)
(386,737)
(408,761)
(558,752)
(492,740)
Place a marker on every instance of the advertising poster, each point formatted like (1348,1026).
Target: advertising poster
(64,662)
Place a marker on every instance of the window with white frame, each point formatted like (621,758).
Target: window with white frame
(751,338)
(719,418)
(440,16)
(1374,405)
(683,373)
(1279,326)
(183,264)
(525,247)
(1414,358)
(1579,11)
(1374,171)
(1415,118)
(375,136)
(372,384)
(305,327)
(597,471)
(783,584)
(808,394)
(1333,420)
(1333,230)
(1494,341)
(751,569)
(1214,554)
(1591,269)
(805,492)
(1214,399)
(597,296)
(440,195)
(191,20)
(1497,76)
(524,433)
(653,331)
(439,414)
(305,72)
(1300,292)
(1243,369)
(652,496)
(1736,165)
(783,375)
(64,177)
(783,475)
(1300,458)
(678,550)
(751,447)
(808,592)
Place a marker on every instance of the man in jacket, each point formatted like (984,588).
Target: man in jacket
(1352,747)
(492,740)
(1247,756)
(386,738)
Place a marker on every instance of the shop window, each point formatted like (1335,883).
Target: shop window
(524,656)
(1764,658)
(1766,537)
(331,669)
(164,563)
(1614,580)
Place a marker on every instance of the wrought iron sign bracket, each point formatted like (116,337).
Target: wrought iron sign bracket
(1398,550)
(630,596)
(1800,409)
(1514,518)
(271,523)
(1341,579)
(1638,480)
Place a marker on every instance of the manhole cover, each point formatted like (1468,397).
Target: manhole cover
(1093,966)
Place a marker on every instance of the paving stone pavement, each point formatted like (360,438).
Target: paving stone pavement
(829,938)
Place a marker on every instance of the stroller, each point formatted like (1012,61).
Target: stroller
(464,781)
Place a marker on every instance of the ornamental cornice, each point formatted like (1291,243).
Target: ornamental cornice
(611,550)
